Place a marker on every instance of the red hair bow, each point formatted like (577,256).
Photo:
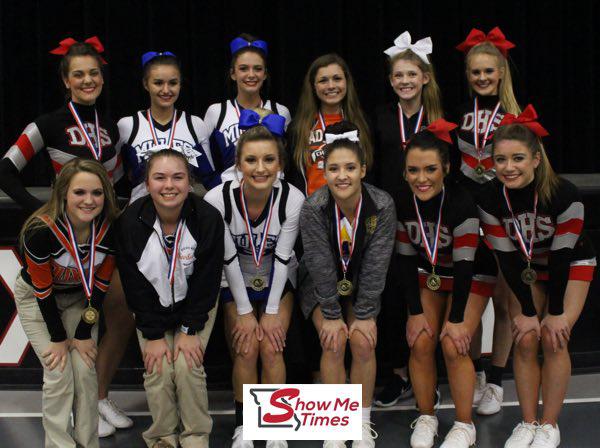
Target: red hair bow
(441,129)
(495,37)
(527,118)
(65,44)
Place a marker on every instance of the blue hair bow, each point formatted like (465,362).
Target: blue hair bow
(239,43)
(147,57)
(273,122)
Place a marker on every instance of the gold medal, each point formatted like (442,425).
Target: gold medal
(433,281)
(90,315)
(480,170)
(344,287)
(371,224)
(258,284)
(528,276)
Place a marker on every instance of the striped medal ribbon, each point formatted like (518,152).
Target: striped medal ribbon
(171,136)
(403,139)
(345,286)
(480,144)
(434,281)
(96,150)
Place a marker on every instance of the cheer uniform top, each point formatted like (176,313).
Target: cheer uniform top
(163,298)
(50,267)
(278,264)
(561,250)
(137,143)
(321,268)
(222,121)
(58,133)
(389,150)
(457,245)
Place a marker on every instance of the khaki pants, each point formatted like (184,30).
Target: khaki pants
(76,388)
(177,396)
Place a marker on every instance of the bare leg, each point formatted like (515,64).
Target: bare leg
(273,366)
(332,363)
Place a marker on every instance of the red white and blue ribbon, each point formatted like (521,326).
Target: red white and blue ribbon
(171,136)
(87,281)
(96,150)
(403,138)
(257,253)
(432,252)
(527,251)
(173,258)
(480,144)
(338,228)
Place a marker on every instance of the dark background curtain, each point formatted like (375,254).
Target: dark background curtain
(554,64)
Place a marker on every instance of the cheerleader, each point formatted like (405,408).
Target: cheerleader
(248,82)
(328,96)
(261,216)
(490,84)
(437,238)
(412,78)
(170,259)
(534,221)
(67,247)
(347,232)
(161,125)
(79,130)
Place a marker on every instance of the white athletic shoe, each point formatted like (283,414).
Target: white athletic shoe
(546,436)
(113,415)
(277,444)
(105,429)
(480,386)
(461,435)
(238,439)
(368,437)
(334,444)
(425,429)
(491,401)
(522,435)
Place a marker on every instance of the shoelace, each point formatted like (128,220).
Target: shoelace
(366,426)
(524,429)
(490,393)
(458,434)
(544,430)
(424,420)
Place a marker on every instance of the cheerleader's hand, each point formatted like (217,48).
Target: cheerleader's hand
(87,350)
(245,328)
(559,329)
(415,326)
(154,351)
(459,335)
(191,347)
(56,355)
(367,327)
(272,328)
(521,325)
(330,334)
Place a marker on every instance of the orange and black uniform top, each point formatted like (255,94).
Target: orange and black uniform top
(49,267)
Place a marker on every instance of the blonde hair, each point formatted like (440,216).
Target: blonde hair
(431,96)
(260,133)
(55,207)
(546,180)
(308,107)
(505,89)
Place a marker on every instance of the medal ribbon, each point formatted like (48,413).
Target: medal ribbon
(479,146)
(96,151)
(236,106)
(171,136)
(86,281)
(338,228)
(527,251)
(432,253)
(175,253)
(257,254)
(401,122)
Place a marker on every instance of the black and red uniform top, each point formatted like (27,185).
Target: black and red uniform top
(559,240)
(458,241)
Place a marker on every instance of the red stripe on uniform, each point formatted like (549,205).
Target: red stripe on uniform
(466,240)
(57,166)
(402,236)
(488,162)
(493,230)
(25,147)
(571,226)
(483,289)
(583,273)
(446,286)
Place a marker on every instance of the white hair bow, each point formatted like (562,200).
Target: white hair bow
(402,43)
(351,135)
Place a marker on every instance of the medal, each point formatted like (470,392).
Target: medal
(90,315)
(403,139)
(170,138)
(433,282)
(480,145)
(257,283)
(528,275)
(345,286)
(96,150)
(479,170)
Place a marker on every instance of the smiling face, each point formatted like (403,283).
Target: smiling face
(249,72)
(425,172)
(168,183)
(84,79)
(407,80)
(85,199)
(343,173)
(330,86)
(259,164)
(163,84)
(515,165)
(484,74)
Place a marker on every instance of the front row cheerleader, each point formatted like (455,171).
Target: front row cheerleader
(261,215)
(67,247)
(347,229)
(534,221)
(437,238)
(170,256)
